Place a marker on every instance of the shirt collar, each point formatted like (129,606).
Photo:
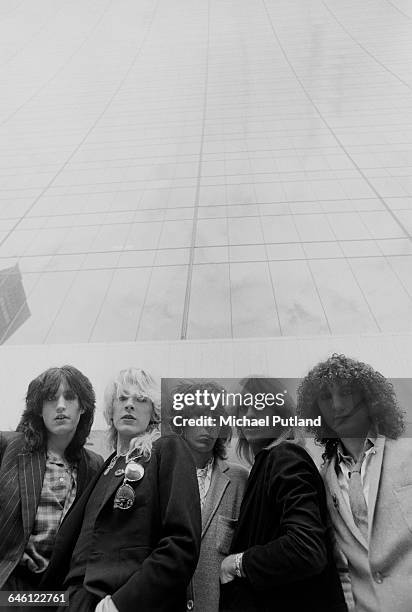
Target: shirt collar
(205,470)
(56,460)
(343,457)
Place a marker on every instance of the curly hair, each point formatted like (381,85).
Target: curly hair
(225,433)
(378,393)
(141,445)
(46,385)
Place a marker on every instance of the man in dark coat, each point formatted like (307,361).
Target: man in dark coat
(287,562)
(282,555)
(133,540)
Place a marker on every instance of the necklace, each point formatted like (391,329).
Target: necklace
(112,463)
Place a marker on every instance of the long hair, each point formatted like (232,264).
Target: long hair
(225,433)
(255,385)
(40,389)
(140,446)
(378,393)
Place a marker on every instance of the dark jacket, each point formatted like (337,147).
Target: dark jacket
(283,532)
(144,556)
(21,480)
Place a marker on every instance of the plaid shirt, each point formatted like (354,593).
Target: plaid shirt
(57,495)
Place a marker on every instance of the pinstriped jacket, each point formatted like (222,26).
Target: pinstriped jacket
(21,480)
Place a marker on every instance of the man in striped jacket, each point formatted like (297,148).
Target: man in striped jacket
(43,470)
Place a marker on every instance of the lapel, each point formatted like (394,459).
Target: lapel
(82,474)
(374,478)
(339,503)
(253,488)
(218,486)
(31,473)
(114,483)
(84,486)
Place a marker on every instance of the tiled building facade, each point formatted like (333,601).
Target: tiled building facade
(184,171)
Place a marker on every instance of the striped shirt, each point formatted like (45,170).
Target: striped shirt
(345,465)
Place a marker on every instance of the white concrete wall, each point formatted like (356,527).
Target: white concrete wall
(277,357)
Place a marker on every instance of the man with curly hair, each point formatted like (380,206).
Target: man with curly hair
(368,476)
(43,470)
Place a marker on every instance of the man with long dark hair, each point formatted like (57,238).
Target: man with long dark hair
(368,476)
(44,468)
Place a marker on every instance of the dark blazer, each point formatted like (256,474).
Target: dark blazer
(145,556)
(21,480)
(283,532)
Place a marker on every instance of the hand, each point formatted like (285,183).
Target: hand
(227,569)
(106,605)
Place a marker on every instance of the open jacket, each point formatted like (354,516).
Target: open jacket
(21,480)
(145,556)
(377,574)
(219,518)
(283,533)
